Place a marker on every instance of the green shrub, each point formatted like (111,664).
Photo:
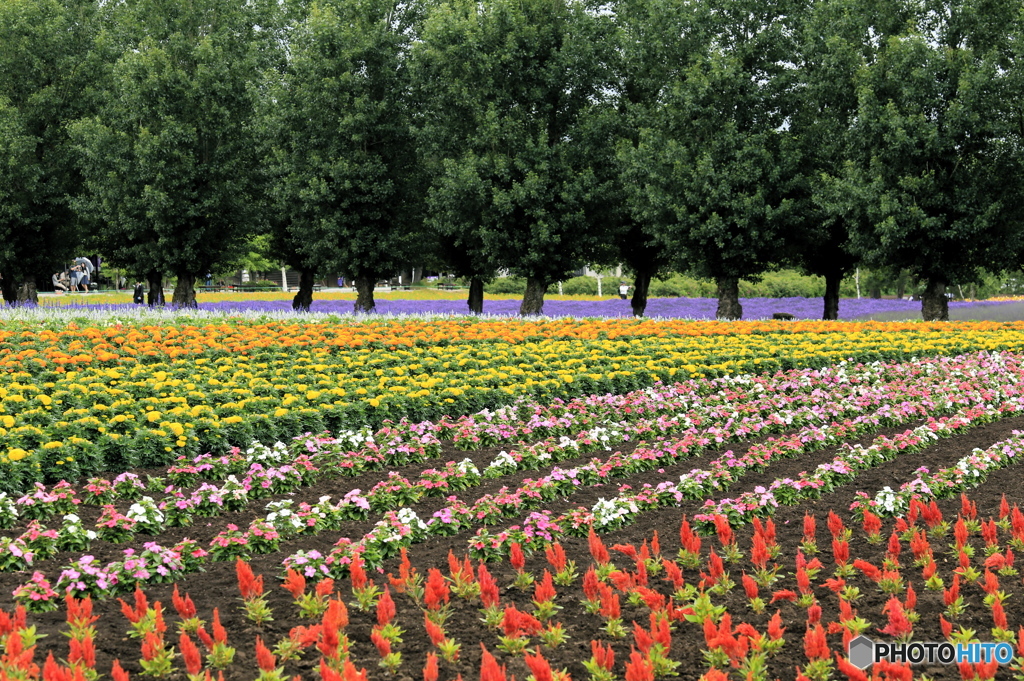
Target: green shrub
(509,285)
(585,286)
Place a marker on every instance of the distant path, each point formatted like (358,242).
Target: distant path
(1010,311)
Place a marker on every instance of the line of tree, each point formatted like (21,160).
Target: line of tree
(723,138)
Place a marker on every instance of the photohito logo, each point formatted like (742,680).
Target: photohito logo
(863,652)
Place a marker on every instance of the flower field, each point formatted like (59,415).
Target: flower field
(556,499)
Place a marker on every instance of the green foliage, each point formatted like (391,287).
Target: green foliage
(513,95)
(506,285)
(170,162)
(51,67)
(344,155)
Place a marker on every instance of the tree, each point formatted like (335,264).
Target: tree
(939,164)
(50,66)
(170,162)
(712,172)
(834,44)
(345,156)
(515,92)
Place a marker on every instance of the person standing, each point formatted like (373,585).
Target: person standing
(139,295)
(623,290)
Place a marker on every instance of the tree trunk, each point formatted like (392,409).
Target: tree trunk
(934,304)
(729,298)
(875,292)
(185,291)
(476,295)
(155,295)
(533,298)
(364,295)
(9,287)
(28,294)
(641,285)
(304,297)
(832,281)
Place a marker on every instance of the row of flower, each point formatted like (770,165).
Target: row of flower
(123,417)
(279,470)
(816,589)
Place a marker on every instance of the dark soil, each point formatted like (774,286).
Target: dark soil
(217,586)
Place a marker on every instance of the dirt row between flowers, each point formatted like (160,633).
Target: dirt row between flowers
(217,587)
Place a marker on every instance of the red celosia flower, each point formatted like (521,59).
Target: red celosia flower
(655,544)
(835,524)
(919,545)
(117,672)
(185,608)
(784,595)
(690,541)
(989,532)
(556,557)
(136,613)
(539,667)
(991,585)
(810,528)
(673,573)
(603,656)
(356,572)
(516,557)
(336,616)
(846,612)
(609,603)
(488,587)
(638,668)
(723,529)
(385,607)
(190,654)
(205,637)
(894,546)
(835,584)
(489,668)
(151,646)
(716,567)
(960,532)
(324,588)
(998,614)
(436,591)
(434,631)
(642,638)
(295,584)
(1004,508)
(79,612)
(968,509)
(899,626)
(911,602)
(545,589)
(249,584)
(813,614)
(265,659)
(872,524)
(660,632)
(775,628)
(84,651)
(946,626)
(815,645)
(840,551)
(749,586)
(590,583)
(382,644)
(759,552)
(868,570)
(627,550)
(929,570)
(430,668)
(219,634)
(952,593)
(847,669)
(597,548)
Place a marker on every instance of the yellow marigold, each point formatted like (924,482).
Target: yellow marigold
(53,444)
(153,416)
(16,454)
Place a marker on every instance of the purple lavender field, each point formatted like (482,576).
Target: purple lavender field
(689,308)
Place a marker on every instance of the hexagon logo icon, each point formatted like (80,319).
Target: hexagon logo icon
(861,652)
